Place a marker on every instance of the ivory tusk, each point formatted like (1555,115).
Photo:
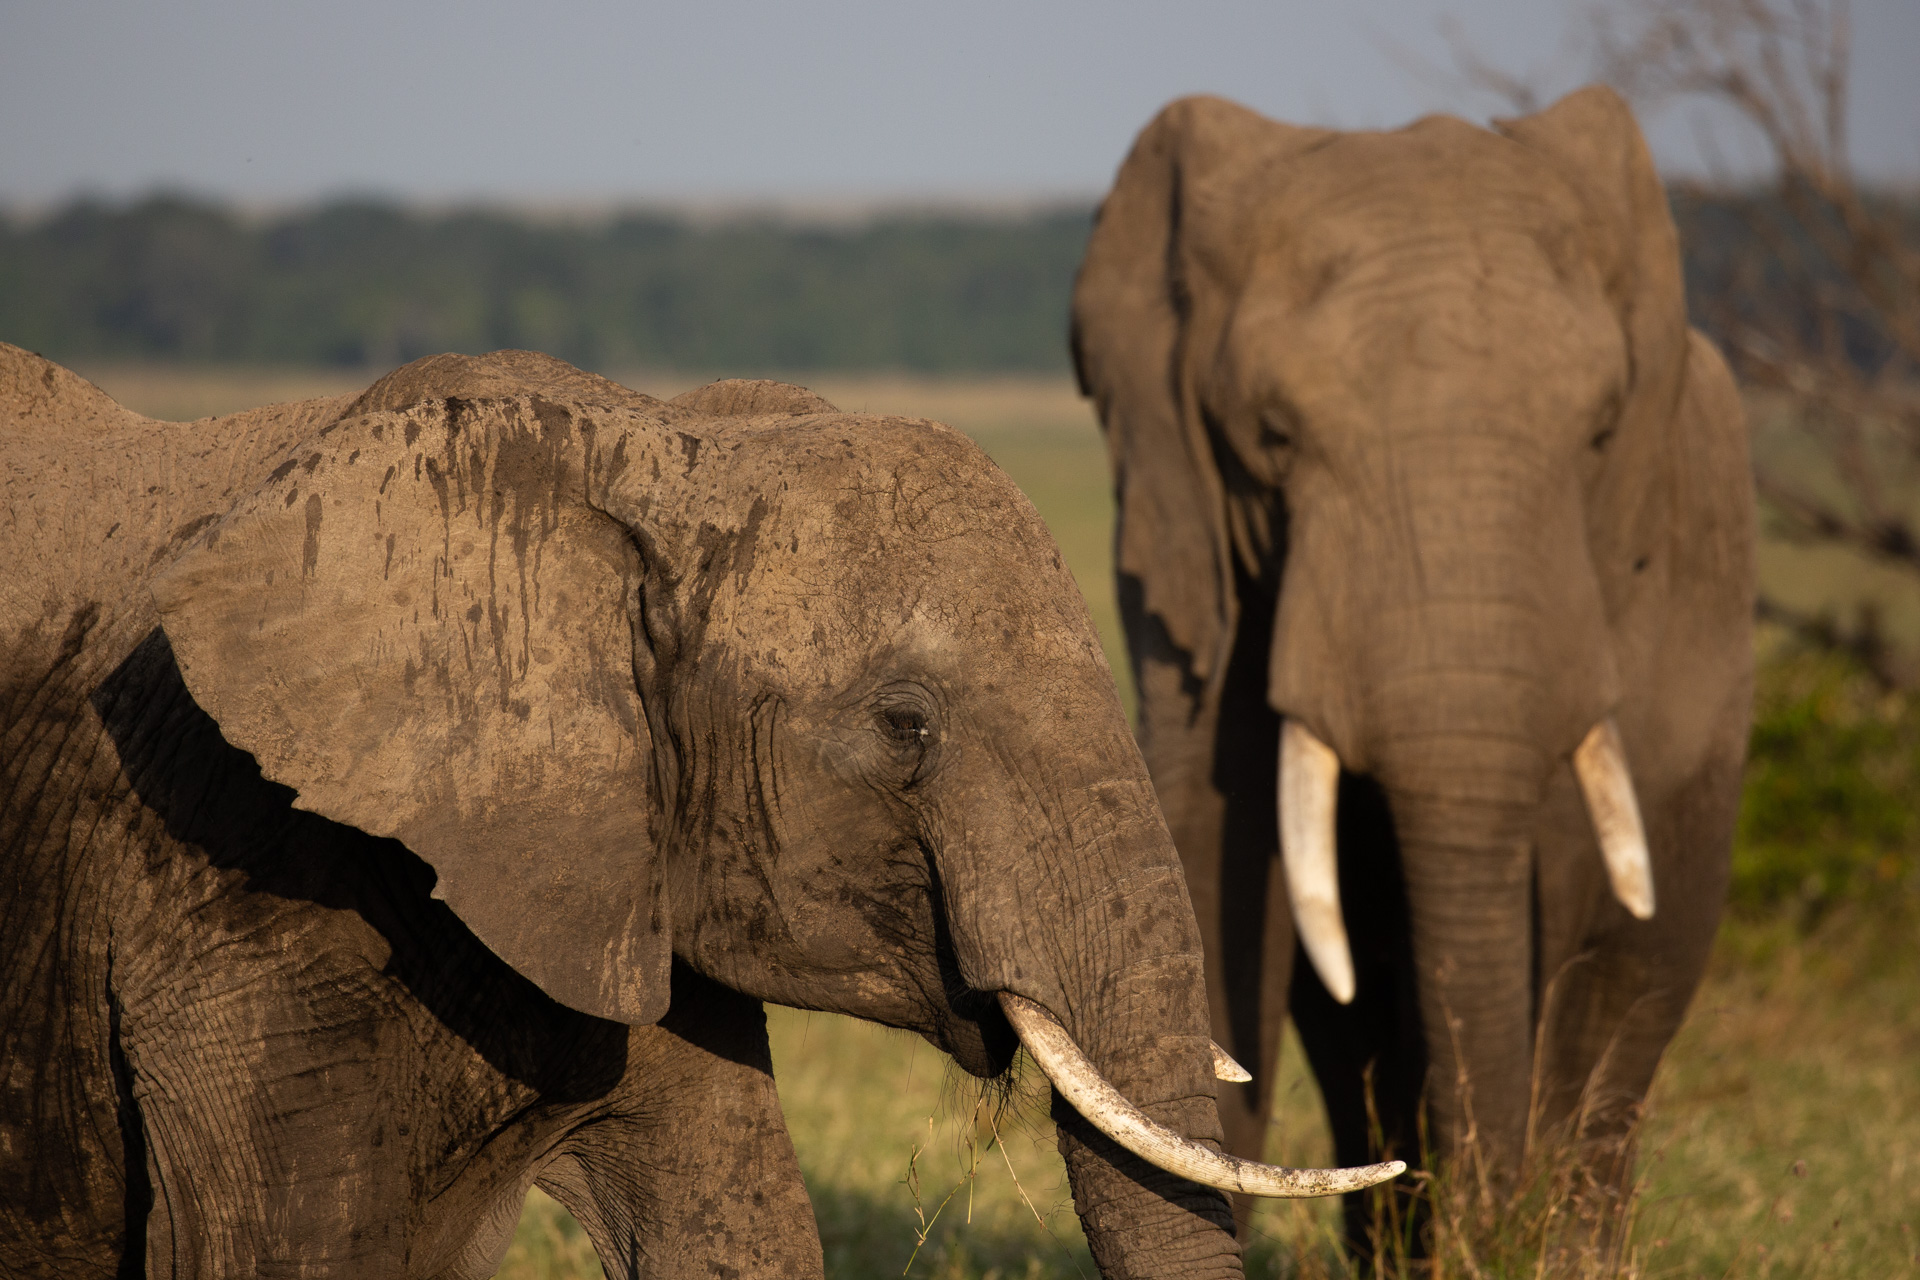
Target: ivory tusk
(1082,1085)
(1225,1068)
(1600,762)
(1309,785)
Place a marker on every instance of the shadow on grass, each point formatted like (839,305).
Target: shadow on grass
(863,1237)
(867,1237)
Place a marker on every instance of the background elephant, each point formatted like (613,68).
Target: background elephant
(1419,466)
(412,796)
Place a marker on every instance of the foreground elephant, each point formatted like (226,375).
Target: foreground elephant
(1428,501)
(408,798)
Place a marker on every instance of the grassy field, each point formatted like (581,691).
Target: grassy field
(1783,1137)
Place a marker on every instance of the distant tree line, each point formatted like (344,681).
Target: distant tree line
(364,283)
(368,283)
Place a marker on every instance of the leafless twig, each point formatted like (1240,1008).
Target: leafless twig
(1820,307)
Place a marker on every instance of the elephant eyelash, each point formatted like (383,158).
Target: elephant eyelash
(905,725)
(1601,439)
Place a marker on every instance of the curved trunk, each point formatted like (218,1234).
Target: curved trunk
(1147,1035)
(1062,888)
(1093,924)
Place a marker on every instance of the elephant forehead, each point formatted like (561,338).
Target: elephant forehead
(891,533)
(879,499)
(827,584)
(1430,174)
(1450,316)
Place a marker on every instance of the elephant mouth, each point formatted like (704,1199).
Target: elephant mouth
(969,1025)
(977,1035)
(1108,1110)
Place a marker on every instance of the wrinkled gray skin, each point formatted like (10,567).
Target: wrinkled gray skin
(1411,442)
(405,799)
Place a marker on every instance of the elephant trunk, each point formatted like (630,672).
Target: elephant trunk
(1062,889)
(1101,976)
(1463,774)
(1462,777)
(1141,1220)
(1468,869)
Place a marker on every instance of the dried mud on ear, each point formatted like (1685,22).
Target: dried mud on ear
(423,628)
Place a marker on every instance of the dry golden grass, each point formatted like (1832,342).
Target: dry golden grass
(1782,1140)
(181,393)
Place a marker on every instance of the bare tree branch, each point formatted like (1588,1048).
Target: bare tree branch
(1824,314)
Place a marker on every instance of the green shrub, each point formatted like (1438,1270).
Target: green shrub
(1831,811)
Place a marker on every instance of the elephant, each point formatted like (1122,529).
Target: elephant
(411,797)
(1435,554)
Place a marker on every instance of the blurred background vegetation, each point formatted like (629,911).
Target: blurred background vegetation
(363,283)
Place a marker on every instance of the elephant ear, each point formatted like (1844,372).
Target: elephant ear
(1591,141)
(421,622)
(1163,239)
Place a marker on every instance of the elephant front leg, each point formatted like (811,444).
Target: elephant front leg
(1615,989)
(1214,756)
(1369,1056)
(1213,767)
(692,1173)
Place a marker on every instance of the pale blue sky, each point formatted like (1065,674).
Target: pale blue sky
(719,101)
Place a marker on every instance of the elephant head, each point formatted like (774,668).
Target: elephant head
(1402,405)
(804,698)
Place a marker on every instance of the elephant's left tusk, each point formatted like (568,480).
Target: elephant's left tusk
(1308,790)
(1600,762)
(1225,1068)
(1082,1085)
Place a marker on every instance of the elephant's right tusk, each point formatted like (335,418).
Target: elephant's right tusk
(1082,1085)
(1600,762)
(1309,786)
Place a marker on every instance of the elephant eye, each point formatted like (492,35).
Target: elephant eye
(1276,430)
(1605,422)
(906,725)
(904,715)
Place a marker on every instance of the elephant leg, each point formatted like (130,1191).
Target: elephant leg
(692,1172)
(1369,1056)
(1614,990)
(73,1177)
